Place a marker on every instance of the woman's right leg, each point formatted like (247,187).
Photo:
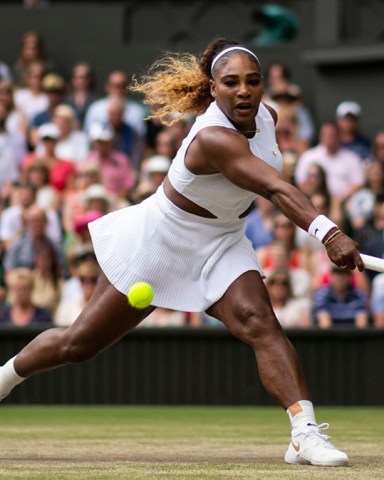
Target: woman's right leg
(106,318)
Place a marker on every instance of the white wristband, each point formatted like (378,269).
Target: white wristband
(320,226)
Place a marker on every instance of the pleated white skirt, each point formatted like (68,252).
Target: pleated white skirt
(190,261)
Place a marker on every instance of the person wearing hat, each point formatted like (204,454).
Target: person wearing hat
(54,87)
(153,171)
(341,303)
(96,197)
(118,176)
(348,115)
(62,172)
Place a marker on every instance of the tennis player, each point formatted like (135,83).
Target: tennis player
(187,240)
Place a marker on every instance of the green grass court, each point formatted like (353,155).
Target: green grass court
(87,442)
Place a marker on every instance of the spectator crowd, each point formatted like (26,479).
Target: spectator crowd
(71,152)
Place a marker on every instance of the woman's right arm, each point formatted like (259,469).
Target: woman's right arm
(228,152)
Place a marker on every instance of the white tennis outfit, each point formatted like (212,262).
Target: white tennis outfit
(189,260)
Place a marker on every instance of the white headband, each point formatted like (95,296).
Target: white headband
(230,49)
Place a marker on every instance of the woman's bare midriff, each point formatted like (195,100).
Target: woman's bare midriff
(187,205)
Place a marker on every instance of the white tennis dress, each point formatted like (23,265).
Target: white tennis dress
(189,260)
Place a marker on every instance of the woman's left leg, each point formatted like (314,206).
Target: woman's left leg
(247,312)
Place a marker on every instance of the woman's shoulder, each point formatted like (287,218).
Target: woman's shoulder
(267,111)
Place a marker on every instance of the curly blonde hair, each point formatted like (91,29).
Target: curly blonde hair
(179,84)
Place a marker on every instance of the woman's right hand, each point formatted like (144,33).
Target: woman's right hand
(344,252)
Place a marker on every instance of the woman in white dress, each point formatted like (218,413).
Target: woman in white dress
(188,241)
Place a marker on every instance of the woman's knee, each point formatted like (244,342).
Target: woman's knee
(256,324)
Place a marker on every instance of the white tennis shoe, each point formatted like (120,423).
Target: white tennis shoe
(310,446)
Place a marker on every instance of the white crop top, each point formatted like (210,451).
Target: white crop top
(215,192)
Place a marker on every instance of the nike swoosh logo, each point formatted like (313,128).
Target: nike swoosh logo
(296,447)
(316,231)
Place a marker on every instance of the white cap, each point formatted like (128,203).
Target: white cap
(99,132)
(348,108)
(96,191)
(48,130)
(157,163)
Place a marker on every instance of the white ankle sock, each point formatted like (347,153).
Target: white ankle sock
(301,413)
(8,378)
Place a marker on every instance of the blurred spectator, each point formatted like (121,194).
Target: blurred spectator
(125,137)
(31,99)
(134,113)
(62,172)
(291,312)
(316,182)
(377,301)
(291,96)
(118,177)
(82,235)
(23,251)
(82,90)
(348,116)
(71,289)
(88,173)
(359,207)
(53,86)
(300,279)
(290,145)
(73,143)
(16,121)
(37,174)
(344,170)
(277,77)
(96,197)
(180,129)
(5,73)
(67,312)
(165,144)
(259,223)
(47,275)
(32,51)
(20,310)
(340,303)
(378,147)
(164,317)
(153,171)
(284,232)
(30,4)
(12,149)
(13,218)
(370,236)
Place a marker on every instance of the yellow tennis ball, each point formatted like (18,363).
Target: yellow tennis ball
(140,295)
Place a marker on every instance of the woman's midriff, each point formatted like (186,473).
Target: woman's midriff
(187,205)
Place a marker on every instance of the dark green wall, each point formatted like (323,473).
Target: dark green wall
(205,366)
(337,55)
